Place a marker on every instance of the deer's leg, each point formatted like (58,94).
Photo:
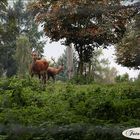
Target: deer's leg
(44,78)
(32,74)
(39,76)
(48,76)
(53,77)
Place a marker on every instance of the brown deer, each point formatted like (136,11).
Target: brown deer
(52,71)
(39,67)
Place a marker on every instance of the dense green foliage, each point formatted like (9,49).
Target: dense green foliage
(67,111)
(130,46)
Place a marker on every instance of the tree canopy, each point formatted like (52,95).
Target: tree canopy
(85,23)
(128,50)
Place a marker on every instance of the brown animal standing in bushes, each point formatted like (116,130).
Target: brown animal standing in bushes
(52,72)
(39,67)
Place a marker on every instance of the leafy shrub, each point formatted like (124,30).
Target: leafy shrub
(68,111)
(81,80)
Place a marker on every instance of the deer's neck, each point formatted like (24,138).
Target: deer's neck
(59,70)
(33,62)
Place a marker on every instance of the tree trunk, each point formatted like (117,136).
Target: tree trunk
(69,62)
(81,66)
(81,63)
(89,70)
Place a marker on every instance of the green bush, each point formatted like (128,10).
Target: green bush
(81,80)
(66,110)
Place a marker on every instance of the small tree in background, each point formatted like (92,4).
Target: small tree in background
(122,78)
(63,59)
(110,75)
(23,56)
(99,69)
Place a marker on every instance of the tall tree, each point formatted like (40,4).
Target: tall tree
(9,43)
(85,23)
(27,26)
(3,5)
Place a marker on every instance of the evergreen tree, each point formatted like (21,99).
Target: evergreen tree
(9,42)
(3,11)
(27,26)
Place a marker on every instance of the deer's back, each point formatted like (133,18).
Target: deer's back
(40,65)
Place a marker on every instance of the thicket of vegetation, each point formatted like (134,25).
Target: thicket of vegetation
(67,111)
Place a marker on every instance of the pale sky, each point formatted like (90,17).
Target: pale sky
(55,50)
(109,53)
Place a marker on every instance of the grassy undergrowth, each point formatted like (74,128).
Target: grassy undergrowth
(67,111)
